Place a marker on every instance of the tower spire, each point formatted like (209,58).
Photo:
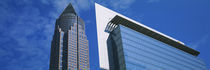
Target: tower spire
(69,9)
(67,43)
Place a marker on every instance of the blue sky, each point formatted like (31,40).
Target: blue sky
(27,26)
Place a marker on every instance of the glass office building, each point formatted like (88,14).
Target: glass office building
(140,49)
(125,44)
(69,49)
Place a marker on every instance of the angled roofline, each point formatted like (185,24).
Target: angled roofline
(103,17)
(69,9)
(156,35)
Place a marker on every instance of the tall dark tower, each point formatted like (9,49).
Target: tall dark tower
(69,48)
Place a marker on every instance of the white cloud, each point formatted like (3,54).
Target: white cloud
(153,1)
(121,4)
(26,31)
(60,4)
(117,4)
(202,40)
(25,37)
(84,4)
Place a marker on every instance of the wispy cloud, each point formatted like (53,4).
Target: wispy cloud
(121,4)
(26,31)
(202,40)
(153,1)
(117,4)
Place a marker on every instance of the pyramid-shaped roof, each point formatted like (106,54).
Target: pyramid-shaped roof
(69,9)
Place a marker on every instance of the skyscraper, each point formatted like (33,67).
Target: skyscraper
(125,44)
(69,48)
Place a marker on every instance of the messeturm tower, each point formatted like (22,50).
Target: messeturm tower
(69,47)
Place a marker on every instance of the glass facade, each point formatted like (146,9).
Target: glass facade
(69,49)
(132,50)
